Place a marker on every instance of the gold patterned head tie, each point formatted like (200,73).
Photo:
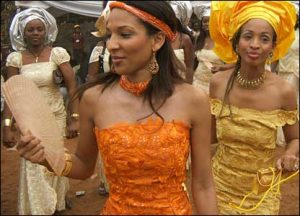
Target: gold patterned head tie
(227,17)
(145,17)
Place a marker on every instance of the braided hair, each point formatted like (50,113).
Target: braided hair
(234,42)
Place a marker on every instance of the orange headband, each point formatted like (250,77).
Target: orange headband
(146,17)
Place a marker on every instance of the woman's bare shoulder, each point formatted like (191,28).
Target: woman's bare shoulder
(286,91)
(91,95)
(190,93)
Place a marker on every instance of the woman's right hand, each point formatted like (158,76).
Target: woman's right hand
(30,148)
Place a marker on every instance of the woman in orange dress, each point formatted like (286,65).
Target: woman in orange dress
(143,117)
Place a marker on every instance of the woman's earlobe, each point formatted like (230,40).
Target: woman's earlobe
(159,40)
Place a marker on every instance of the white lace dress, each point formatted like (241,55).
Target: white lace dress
(207,58)
(41,192)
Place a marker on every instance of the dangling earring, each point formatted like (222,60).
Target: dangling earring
(269,59)
(153,66)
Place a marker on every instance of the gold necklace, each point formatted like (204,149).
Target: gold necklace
(36,56)
(244,82)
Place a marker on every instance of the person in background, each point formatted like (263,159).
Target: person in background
(183,43)
(208,61)
(78,44)
(99,64)
(143,117)
(249,103)
(32,32)
(288,69)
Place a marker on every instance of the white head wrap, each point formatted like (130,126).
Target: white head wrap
(201,8)
(183,11)
(19,22)
(296,4)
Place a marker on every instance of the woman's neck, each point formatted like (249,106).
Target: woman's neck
(139,77)
(36,49)
(252,72)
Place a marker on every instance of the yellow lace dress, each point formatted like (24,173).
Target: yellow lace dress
(145,167)
(246,143)
(207,58)
(40,192)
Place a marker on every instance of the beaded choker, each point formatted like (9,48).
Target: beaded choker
(244,82)
(134,88)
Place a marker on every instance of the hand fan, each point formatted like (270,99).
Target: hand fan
(32,112)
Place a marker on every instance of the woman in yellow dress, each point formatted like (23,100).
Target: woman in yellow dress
(143,117)
(249,103)
(32,33)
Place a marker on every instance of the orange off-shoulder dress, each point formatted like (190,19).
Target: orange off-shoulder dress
(145,167)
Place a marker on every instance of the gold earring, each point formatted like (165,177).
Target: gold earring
(269,59)
(153,66)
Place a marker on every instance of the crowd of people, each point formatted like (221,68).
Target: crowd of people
(157,95)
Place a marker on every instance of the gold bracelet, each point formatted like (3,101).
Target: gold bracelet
(7,122)
(68,164)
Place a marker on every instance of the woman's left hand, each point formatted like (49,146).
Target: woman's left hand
(73,128)
(288,162)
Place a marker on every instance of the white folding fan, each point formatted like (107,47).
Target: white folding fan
(31,112)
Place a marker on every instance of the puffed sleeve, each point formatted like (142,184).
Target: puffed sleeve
(94,57)
(14,59)
(59,55)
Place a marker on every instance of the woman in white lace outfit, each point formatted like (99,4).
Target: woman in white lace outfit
(32,32)
(208,61)
(183,43)
(288,69)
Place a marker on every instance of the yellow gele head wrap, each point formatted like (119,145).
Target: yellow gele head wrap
(228,16)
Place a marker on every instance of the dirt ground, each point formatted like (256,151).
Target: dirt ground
(91,203)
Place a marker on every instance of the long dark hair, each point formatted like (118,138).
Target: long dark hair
(162,84)
(234,42)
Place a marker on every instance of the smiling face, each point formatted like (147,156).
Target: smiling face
(34,33)
(129,44)
(256,41)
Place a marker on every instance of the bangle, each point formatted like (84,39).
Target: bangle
(68,164)
(7,122)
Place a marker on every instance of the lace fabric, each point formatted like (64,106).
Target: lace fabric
(145,166)
(203,74)
(246,145)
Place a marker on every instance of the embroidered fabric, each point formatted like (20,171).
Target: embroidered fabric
(246,143)
(145,167)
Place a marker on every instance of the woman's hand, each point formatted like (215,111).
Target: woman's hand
(288,162)
(30,148)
